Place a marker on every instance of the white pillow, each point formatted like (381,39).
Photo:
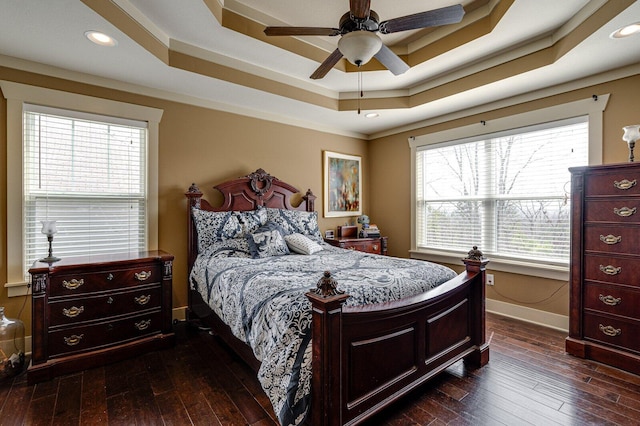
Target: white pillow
(300,244)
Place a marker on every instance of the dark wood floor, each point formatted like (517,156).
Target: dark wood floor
(529,380)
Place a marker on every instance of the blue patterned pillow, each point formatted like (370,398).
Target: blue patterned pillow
(234,247)
(215,226)
(296,222)
(252,219)
(267,241)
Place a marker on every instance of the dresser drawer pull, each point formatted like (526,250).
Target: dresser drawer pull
(141,276)
(624,184)
(110,277)
(143,325)
(610,331)
(351,248)
(73,340)
(73,284)
(72,312)
(610,300)
(110,300)
(375,247)
(610,270)
(142,300)
(610,239)
(624,211)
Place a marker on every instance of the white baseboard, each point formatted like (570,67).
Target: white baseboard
(534,316)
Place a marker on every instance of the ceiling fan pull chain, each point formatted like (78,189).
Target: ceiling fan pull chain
(360,89)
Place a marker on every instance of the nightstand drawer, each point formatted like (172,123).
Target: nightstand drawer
(365,246)
(109,279)
(105,305)
(95,336)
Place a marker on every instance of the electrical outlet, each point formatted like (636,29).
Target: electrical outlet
(489,279)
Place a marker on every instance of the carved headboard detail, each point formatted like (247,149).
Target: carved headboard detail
(257,189)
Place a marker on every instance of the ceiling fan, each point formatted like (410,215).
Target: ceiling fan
(359,43)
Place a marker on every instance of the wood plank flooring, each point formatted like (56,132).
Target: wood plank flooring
(529,380)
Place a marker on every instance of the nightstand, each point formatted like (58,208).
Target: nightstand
(89,311)
(368,245)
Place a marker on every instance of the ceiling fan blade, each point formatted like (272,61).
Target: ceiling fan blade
(360,8)
(301,31)
(431,18)
(326,66)
(392,61)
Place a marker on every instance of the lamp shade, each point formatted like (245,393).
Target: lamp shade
(359,46)
(49,227)
(631,133)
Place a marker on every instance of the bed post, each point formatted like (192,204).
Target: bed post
(476,263)
(326,391)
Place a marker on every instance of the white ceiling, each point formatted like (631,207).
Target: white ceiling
(48,37)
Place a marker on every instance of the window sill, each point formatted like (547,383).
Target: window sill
(554,272)
(17,289)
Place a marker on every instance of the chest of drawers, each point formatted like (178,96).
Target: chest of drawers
(604,317)
(92,310)
(368,245)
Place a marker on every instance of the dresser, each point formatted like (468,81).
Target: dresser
(604,317)
(369,245)
(89,311)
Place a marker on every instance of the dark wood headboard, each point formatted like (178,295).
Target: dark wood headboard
(257,189)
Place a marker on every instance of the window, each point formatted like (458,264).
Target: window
(119,117)
(506,193)
(89,174)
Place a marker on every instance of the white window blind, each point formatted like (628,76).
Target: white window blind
(506,193)
(89,174)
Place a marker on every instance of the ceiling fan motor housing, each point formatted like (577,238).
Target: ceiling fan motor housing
(349,23)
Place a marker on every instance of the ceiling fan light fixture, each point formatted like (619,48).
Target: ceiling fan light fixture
(359,46)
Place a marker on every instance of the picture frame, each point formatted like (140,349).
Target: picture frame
(342,185)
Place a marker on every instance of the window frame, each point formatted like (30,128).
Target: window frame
(17,95)
(592,107)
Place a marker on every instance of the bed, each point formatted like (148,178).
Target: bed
(334,335)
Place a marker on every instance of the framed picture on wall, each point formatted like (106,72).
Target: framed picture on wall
(342,185)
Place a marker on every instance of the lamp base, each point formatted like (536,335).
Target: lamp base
(49,259)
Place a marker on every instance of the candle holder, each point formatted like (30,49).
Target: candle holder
(49,229)
(630,136)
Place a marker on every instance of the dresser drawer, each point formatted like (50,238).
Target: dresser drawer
(623,210)
(617,183)
(96,281)
(105,305)
(95,336)
(612,269)
(612,239)
(613,331)
(612,299)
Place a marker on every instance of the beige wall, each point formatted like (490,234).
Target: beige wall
(390,160)
(206,146)
(202,146)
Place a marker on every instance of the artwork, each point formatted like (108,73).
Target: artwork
(342,185)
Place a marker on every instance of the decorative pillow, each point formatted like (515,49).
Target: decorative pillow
(267,241)
(215,226)
(252,219)
(295,221)
(298,243)
(235,247)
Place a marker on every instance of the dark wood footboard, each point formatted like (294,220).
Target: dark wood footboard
(366,357)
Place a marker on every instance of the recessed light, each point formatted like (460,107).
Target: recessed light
(372,115)
(101,39)
(626,31)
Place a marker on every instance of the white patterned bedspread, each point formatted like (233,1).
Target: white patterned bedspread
(264,303)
